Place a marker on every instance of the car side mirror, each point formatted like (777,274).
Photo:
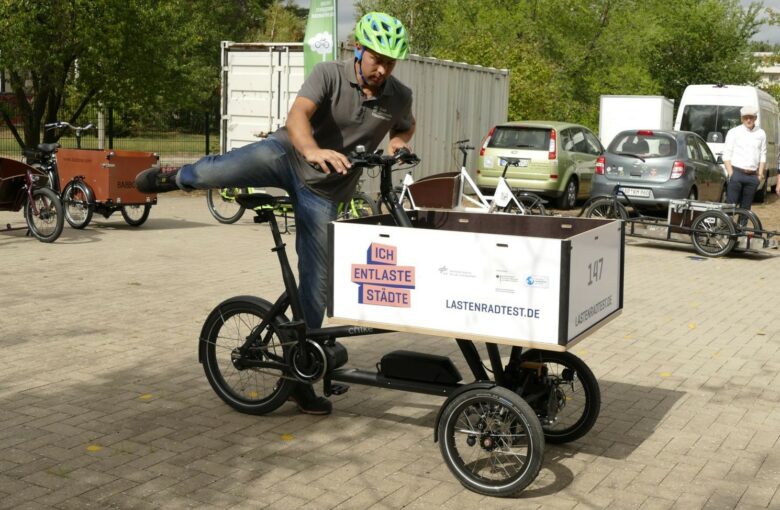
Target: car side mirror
(719,159)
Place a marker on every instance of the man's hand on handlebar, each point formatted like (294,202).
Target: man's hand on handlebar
(328,161)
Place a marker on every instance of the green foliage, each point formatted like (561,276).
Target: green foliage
(564,54)
(132,54)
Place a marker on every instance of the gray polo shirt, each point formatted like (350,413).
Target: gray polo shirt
(344,119)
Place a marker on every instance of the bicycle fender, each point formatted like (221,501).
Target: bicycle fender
(87,187)
(479,385)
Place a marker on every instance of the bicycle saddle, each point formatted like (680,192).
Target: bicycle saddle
(258,200)
(48,147)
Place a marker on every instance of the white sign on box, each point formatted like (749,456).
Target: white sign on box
(479,286)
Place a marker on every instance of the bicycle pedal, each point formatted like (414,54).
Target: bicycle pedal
(338,389)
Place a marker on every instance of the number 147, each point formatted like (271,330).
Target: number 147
(594,270)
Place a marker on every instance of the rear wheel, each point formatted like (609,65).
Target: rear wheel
(136,215)
(46,225)
(223,206)
(607,208)
(569,197)
(532,204)
(713,234)
(491,440)
(252,390)
(562,390)
(75,200)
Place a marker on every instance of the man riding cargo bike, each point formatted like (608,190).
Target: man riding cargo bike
(341,106)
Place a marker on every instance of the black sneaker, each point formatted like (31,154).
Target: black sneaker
(156,180)
(308,402)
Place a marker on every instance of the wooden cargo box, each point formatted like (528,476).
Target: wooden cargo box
(541,282)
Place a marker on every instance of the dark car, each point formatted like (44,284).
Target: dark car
(653,166)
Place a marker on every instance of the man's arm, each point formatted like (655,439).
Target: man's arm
(762,159)
(299,128)
(401,139)
(728,151)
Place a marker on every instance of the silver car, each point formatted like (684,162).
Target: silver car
(653,166)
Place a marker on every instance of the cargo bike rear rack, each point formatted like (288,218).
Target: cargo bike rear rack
(715,229)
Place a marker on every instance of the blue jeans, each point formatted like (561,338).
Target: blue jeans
(266,163)
(741,189)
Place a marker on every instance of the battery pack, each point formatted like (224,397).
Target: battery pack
(420,367)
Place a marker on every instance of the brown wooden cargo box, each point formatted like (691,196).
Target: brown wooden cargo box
(109,173)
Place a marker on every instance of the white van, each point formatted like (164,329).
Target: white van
(711,110)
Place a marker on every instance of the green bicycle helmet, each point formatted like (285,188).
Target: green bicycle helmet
(383,34)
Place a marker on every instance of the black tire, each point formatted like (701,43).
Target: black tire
(607,208)
(248,390)
(136,215)
(362,205)
(47,225)
(223,206)
(492,441)
(746,223)
(713,234)
(569,197)
(75,201)
(577,394)
(532,204)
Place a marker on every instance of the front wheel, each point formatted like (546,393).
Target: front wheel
(46,220)
(223,206)
(713,234)
(136,215)
(78,210)
(238,333)
(492,441)
(607,208)
(562,390)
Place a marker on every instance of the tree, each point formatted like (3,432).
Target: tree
(120,52)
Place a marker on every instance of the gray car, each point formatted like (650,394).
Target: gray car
(653,166)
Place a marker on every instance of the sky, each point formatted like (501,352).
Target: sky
(346,19)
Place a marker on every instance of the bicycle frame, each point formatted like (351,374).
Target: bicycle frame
(299,333)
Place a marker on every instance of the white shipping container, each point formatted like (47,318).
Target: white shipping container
(618,113)
(452,101)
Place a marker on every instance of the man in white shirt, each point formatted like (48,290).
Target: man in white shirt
(744,156)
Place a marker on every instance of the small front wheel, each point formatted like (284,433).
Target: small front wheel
(607,208)
(236,338)
(713,234)
(78,210)
(45,219)
(137,214)
(223,206)
(492,441)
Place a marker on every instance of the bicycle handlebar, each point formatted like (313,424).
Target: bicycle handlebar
(60,124)
(365,160)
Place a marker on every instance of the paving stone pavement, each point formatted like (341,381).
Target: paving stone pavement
(103,403)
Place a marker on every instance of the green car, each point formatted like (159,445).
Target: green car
(556,159)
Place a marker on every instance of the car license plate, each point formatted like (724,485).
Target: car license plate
(522,163)
(639,193)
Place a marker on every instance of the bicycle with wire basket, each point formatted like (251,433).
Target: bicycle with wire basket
(714,228)
(491,431)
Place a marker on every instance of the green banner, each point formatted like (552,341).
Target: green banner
(319,43)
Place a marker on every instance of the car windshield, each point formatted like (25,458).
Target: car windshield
(646,145)
(518,137)
(710,122)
